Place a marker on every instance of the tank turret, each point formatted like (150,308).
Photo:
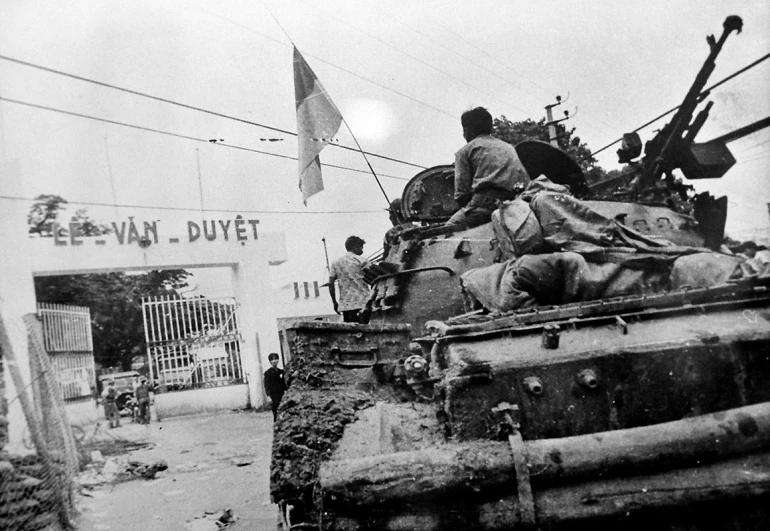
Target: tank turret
(593,356)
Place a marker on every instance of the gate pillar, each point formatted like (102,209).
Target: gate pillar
(254,314)
(17,295)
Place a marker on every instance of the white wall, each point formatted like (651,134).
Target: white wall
(249,263)
(17,296)
(286,305)
(196,401)
(84,412)
(248,253)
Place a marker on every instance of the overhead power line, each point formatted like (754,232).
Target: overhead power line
(445,47)
(197,208)
(348,24)
(477,64)
(186,137)
(519,74)
(701,95)
(524,76)
(502,64)
(333,65)
(191,107)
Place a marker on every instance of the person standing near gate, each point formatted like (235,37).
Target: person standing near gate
(110,397)
(348,272)
(274,382)
(142,394)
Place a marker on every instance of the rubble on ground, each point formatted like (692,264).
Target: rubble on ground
(211,521)
(118,468)
(242,461)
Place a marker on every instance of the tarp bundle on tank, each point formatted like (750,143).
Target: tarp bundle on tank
(558,250)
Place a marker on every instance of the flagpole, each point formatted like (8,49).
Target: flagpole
(279,24)
(343,118)
(366,159)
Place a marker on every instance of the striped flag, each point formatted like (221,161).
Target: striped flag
(318,120)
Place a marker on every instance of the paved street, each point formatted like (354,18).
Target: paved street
(203,454)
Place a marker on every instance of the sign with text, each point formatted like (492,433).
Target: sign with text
(146,233)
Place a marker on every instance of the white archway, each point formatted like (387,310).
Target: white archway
(139,245)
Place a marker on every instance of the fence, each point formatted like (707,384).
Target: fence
(68,340)
(192,342)
(37,489)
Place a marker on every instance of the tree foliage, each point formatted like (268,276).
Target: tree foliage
(515,132)
(45,213)
(115,299)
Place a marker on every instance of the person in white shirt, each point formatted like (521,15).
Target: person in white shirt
(348,272)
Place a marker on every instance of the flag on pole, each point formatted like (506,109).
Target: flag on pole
(318,120)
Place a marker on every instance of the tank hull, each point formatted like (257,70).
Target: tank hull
(673,427)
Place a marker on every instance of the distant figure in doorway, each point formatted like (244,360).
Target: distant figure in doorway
(348,271)
(142,394)
(487,172)
(399,225)
(110,398)
(275,383)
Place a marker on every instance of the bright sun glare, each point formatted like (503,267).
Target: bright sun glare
(369,119)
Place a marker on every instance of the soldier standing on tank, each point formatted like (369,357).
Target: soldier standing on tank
(487,171)
(348,271)
(275,383)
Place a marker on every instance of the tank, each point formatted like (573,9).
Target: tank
(593,355)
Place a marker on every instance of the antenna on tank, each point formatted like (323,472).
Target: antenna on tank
(326,254)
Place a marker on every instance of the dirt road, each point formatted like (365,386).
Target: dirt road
(214,462)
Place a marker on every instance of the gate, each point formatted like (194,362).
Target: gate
(68,341)
(192,343)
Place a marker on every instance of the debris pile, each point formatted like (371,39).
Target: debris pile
(211,521)
(144,470)
(116,469)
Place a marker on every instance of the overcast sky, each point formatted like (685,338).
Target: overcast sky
(401,72)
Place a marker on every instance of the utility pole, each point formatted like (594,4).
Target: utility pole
(551,123)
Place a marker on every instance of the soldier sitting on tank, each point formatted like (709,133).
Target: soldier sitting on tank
(487,171)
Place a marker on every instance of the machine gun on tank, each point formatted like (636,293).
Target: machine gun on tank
(651,180)
(674,146)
